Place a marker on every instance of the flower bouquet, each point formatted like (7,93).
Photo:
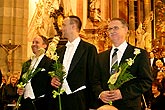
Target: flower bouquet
(58,69)
(25,79)
(122,75)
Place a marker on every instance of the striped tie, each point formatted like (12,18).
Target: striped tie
(114,61)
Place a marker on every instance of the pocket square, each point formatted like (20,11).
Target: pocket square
(43,69)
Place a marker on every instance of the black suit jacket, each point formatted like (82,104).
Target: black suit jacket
(131,91)
(154,63)
(41,81)
(0,77)
(162,61)
(80,73)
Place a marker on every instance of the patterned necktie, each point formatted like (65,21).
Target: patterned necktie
(114,61)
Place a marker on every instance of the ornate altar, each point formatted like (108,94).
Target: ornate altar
(159,41)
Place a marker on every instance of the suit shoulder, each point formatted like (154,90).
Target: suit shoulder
(87,44)
(142,50)
(26,62)
(48,59)
(104,54)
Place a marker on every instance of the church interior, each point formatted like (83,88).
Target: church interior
(21,20)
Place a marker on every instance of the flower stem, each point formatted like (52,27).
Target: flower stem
(110,102)
(18,102)
(59,99)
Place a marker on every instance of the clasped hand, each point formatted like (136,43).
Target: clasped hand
(107,96)
(55,82)
(20,91)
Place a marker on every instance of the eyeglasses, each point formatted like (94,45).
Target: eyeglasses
(115,28)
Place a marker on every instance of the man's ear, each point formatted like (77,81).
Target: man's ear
(126,30)
(45,46)
(74,26)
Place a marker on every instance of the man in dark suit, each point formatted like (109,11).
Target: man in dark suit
(163,57)
(0,89)
(152,60)
(0,77)
(128,95)
(78,58)
(153,63)
(36,90)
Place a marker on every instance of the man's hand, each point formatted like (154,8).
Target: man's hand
(107,96)
(115,95)
(104,96)
(20,91)
(55,82)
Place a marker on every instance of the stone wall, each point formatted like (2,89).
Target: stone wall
(13,32)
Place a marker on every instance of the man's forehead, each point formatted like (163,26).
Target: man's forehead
(66,20)
(37,38)
(115,23)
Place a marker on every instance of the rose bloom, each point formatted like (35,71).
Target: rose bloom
(137,51)
(130,61)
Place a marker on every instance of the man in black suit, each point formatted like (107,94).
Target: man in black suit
(0,77)
(153,63)
(127,96)
(152,60)
(78,58)
(36,90)
(163,57)
(0,89)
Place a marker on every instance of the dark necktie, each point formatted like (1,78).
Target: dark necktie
(114,61)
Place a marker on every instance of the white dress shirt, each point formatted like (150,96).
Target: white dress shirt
(68,56)
(151,61)
(28,88)
(120,52)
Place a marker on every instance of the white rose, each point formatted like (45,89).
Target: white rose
(130,61)
(137,51)
(114,77)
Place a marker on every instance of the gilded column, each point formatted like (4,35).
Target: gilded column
(148,38)
(85,13)
(131,22)
(105,9)
(115,8)
(79,9)
(138,11)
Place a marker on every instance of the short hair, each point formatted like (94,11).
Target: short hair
(76,20)
(45,41)
(158,85)
(123,21)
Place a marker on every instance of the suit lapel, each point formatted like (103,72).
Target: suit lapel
(108,57)
(42,62)
(128,53)
(79,52)
(60,53)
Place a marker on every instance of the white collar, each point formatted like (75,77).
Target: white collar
(74,43)
(121,47)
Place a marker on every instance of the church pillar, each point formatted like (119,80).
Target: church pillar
(13,28)
(85,13)
(105,9)
(123,11)
(79,9)
(131,22)
(147,9)
(115,8)
(138,12)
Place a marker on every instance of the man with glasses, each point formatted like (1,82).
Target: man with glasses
(127,96)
